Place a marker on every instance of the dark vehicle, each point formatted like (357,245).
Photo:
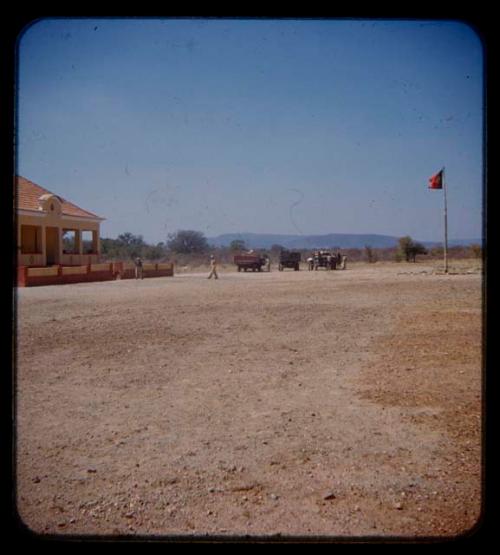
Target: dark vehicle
(289,259)
(252,262)
(323,259)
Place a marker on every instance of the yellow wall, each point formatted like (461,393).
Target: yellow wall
(51,271)
(99,267)
(55,220)
(128,265)
(70,270)
(72,259)
(165,266)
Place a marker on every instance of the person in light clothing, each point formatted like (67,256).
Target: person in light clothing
(213,268)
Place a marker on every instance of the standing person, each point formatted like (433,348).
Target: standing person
(344,259)
(268,264)
(213,268)
(138,268)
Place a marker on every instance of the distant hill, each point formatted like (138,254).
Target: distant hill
(341,240)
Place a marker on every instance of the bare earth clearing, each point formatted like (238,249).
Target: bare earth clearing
(329,404)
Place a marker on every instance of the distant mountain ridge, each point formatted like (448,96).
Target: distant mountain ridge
(341,240)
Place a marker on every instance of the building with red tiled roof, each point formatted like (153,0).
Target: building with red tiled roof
(52,230)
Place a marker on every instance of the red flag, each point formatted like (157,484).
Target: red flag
(436,181)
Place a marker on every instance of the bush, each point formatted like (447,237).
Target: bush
(410,249)
(187,242)
(371,256)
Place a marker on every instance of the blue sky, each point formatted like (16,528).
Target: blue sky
(265,126)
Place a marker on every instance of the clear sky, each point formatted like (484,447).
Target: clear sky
(266,126)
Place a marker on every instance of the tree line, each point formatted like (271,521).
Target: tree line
(185,244)
(127,245)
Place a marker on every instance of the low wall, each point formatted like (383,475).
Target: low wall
(99,267)
(32,259)
(72,270)
(126,270)
(76,259)
(164,270)
(48,271)
(55,275)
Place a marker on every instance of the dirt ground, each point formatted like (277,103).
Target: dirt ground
(327,404)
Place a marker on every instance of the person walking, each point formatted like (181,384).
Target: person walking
(213,267)
(138,268)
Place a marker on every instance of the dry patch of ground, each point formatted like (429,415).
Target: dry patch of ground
(428,365)
(331,404)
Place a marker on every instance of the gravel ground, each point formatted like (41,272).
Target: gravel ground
(342,404)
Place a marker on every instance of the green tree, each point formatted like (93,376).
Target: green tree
(237,245)
(124,246)
(153,252)
(187,241)
(417,248)
(108,248)
(410,249)
(131,245)
(405,243)
(371,256)
(130,239)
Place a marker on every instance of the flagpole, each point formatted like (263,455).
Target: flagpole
(445,226)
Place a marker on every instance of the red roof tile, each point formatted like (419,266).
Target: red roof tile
(28,194)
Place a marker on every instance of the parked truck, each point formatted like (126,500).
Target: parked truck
(254,262)
(289,259)
(323,259)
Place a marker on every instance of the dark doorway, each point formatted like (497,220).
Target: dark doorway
(52,245)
